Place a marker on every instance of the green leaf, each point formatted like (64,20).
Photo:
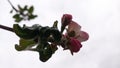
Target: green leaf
(44,33)
(55,24)
(41,45)
(20,8)
(36,26)
(25,7)
(32,17)
(23,44)
(16,16)
(25,32)
(31,9)
(56,34)
(54,48)
(18,19)
(11,11)
(45,54)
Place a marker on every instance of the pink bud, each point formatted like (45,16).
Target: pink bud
(75,45)
(66,19)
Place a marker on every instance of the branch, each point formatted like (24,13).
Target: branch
(6,28)
(12,6)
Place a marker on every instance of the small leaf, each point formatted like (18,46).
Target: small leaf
(18,19)
(16,16)
(45,54)
(25,32)
(25,7)
(55,24)
(32,17)
(31,9)
(56,34)
(18,48)
(20,8)
(44,33)
(23,44)
(54,48)
(11,11)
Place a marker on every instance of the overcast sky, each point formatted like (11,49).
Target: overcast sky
(100,18)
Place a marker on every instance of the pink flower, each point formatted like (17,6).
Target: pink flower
(74,45)
(74,36)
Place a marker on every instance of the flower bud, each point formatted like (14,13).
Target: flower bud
(74,45)
(66,19)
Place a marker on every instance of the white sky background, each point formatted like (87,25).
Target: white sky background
(100,18)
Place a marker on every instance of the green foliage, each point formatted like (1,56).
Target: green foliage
(54,31)
(56,34)
(46,53)
(43,38)
(31,9)
(26,32)
(23,13)
(24,44)
(17,18)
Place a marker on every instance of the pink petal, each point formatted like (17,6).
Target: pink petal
(75,45)
(83,36)
(73,26)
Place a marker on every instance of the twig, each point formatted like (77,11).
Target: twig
(12,6)
(6,28)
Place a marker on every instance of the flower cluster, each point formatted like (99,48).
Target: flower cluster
(73,35)
(45,40)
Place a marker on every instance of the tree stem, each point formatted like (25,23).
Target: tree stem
(6,28)
(12,6)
